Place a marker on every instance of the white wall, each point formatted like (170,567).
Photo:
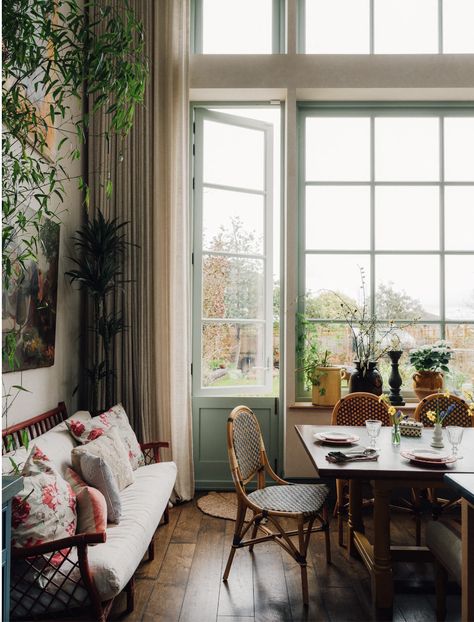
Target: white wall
(49,385)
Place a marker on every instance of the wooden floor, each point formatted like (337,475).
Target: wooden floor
(184,582)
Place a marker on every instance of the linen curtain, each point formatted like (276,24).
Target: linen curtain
(149,173)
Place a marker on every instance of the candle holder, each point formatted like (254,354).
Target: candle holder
(395,380)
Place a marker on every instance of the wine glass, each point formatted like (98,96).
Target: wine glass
(455,433)
(373,430)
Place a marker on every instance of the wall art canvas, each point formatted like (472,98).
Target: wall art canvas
(29,305)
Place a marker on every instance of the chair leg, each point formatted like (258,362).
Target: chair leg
(151,550)
(415,497)
(302,561)
(254,533)
(327,535)
(241,509)
(441,579)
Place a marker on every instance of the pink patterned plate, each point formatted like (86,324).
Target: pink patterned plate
(409,456)
(336,438)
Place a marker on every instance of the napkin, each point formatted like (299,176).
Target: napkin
(341,457)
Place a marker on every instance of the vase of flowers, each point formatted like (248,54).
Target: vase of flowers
(372,339)
(430,361)
(396,417)
(437,417)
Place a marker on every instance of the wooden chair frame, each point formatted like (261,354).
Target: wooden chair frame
(279,534)
(40,556)
(381,410)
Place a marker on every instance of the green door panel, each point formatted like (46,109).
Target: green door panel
(211,465)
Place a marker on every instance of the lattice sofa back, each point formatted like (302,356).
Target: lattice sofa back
(12,437)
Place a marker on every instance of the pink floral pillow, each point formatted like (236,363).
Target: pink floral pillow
(86,431)
(46,508)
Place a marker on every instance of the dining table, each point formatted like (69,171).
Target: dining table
(391,470)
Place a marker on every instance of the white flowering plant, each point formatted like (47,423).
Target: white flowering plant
(434,357)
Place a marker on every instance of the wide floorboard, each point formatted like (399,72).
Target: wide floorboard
(184,582)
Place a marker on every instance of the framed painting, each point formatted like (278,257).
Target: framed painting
(29,305)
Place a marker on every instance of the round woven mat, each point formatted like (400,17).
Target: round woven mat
(221,505)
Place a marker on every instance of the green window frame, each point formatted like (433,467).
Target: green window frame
(374,111)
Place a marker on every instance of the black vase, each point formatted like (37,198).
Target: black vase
(368,379)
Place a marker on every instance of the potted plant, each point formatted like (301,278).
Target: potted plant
(430,361)
(323,378)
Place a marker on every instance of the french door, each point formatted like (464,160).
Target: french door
(232,284)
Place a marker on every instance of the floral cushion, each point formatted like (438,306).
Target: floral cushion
(86,431)
(46,508)
(91,505)
(111,449)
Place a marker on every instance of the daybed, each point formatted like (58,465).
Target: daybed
(89,569)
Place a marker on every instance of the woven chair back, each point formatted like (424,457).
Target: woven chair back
(356,408)
(459,416)
(245,439)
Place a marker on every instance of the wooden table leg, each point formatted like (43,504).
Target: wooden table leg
(382,579)
(467,561)
(355,522)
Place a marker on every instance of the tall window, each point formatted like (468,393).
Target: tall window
(238,26)
(387,196)
(386,26)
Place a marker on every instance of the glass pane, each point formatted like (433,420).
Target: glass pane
(401,213)
(232,221)
(461,338)
(459,217)
(337,27)
(237,26)
(459,287)
(406,149)
(337,149)
(407,287)
(232,287)
(459,149)
(330,278)
(337,217)
(233,156)
(458,25)
(232,354)
(406,26)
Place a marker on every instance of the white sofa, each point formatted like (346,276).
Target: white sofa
(95,573)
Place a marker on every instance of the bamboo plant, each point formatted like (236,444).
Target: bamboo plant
(100,244)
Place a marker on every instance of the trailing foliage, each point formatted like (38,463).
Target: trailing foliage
(100,246)
(55,52)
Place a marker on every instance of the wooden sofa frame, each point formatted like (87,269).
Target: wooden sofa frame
(40,556)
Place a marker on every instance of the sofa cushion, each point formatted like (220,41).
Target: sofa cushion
(117,416)
(110,448)
(56,444)
(91,505)
(114,562)
(46,508)
(84,432)
(98,474)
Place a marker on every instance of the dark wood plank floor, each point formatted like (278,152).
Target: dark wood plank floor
(184,582)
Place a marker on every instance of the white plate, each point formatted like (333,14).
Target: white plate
(336,436)
(430,454)
(344,439)
(409,456)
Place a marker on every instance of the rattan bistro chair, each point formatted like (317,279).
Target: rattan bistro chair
(271,505)
(354,409)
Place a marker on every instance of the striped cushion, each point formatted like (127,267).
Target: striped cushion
(91,505)
(305,498)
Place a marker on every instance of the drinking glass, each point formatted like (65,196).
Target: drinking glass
(455,433)
(373,430)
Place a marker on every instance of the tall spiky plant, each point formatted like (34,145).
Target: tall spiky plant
(100,245)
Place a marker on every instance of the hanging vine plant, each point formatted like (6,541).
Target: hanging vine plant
(56,52)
